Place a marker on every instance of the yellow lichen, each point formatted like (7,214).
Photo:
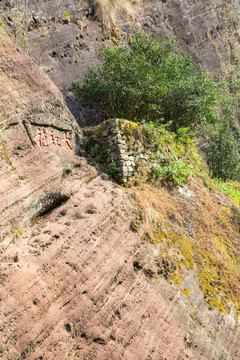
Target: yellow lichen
(211,249)
(185,291)
(176,279)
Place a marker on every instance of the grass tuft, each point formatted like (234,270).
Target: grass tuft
(109,10)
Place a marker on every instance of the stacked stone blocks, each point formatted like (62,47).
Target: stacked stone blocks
(126,143)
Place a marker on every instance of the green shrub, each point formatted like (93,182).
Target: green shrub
(232,189)
(176,157)
(177,171)
(156,83)
(221,148)
(150,80)
(97,159)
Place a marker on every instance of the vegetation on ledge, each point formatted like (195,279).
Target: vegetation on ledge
(157,82)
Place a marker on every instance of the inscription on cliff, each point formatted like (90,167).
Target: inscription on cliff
(51,139)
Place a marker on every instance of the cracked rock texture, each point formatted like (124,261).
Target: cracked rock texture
(77,282)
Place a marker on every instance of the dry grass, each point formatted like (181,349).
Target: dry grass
(202,233)
(110,10)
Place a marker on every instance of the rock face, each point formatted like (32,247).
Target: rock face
(78,272)
(66,48)
(38,133)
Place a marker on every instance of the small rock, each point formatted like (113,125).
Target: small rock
(104,177)
(185,191)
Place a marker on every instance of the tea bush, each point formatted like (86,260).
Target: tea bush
(150,80)
(157,83)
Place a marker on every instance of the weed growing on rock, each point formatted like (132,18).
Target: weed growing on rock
(232,189)
(178,171)
(112,166)
(176,157)
(95,153)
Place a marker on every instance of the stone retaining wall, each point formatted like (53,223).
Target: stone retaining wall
(125,144)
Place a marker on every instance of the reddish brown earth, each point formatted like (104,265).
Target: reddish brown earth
(69,287)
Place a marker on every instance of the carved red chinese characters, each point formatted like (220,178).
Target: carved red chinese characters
(52,141)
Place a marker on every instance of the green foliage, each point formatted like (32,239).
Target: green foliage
(184,136)
(112,166)
(17,233)
(95,153)
(65,15)
(221,148)
(97,159)
(157,83)
(94,150)
(221,139)
(170,144)
(177,171)
(232,189)
(176,155)
(147,80)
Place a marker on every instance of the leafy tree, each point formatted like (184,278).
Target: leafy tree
(221,139)
(156,83)
(150,80)
(221,148)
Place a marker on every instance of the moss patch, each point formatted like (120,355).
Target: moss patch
(190,236)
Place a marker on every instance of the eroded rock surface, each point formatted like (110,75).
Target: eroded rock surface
(66,48)
(77,282)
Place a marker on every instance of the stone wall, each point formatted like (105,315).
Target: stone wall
(125,145)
